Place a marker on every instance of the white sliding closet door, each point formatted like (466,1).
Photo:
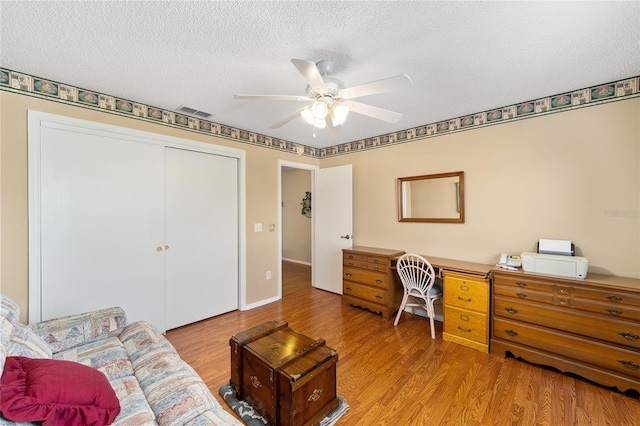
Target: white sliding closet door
(201,213)
(102,224)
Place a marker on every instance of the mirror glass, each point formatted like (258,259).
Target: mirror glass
(431,198)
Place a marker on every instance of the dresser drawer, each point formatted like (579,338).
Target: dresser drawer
(599,354)
(365,277)
(466,293)
(614,310)
(524,294)
(613,297)
(467,324)
(570,320)
(525,283)
(372,294)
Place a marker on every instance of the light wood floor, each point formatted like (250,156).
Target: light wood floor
(399,376)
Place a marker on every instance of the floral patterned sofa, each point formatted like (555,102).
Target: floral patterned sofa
(152,384)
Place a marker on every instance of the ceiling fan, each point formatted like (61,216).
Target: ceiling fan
(331,101)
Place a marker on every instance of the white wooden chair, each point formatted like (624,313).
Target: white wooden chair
(420,289)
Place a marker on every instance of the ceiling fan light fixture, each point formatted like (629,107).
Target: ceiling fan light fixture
(320,110)
(339,113)
(308,116)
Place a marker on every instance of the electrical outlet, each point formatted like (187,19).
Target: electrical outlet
(268,275)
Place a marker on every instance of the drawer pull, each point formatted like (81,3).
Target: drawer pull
(563,301)
(464,287)
(379,281)
(522,295)
(614,298)
(378,297)
(255,382)
(376,261)
(511,310)
(629,336)
(521,284)
(629,364)
(348,274)
(375,268)
(350,256)
(315,395)
(348,288)
(350,263)
(564,290)
(511,332)
(466,330)
(464,300)
(614,312)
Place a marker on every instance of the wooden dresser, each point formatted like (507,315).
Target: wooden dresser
(368,280)
(588,327)
(466,309)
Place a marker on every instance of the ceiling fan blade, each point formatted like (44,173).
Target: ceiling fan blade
(310,72)
(287,119)
(375,112)
(273,97)
(390,84)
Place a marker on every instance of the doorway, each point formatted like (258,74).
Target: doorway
(295,242)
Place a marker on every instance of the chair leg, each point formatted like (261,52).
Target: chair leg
(432,313)
(402,305)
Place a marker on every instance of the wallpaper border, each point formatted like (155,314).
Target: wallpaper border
(39,87)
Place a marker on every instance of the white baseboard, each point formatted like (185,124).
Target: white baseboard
(297,261)
(261,303)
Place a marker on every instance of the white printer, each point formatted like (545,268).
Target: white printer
(555,257)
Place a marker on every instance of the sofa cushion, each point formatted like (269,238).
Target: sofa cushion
(74,330)
(134,408)
(24,342)
(56,392)
(9,312)
(107,355)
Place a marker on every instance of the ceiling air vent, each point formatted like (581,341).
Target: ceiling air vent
(193,111)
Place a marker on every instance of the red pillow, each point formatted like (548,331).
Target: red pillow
(56,392)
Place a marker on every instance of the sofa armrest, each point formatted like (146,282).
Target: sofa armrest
(70,331)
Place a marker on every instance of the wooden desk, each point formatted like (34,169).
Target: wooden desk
(465,302)
(440,264)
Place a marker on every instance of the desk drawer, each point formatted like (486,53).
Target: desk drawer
(466,293)
(356,263)
(364,292)
(596,353)
(467,324)
(365,277)
(350,256)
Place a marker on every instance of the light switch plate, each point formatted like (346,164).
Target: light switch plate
(257,227)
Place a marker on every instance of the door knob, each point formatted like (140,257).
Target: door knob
(346,237)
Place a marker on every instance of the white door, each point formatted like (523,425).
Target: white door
(102,225)
(332,225)
(201,235)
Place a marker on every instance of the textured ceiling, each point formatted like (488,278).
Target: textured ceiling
(463,57)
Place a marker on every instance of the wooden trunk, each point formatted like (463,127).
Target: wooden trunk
(289,378)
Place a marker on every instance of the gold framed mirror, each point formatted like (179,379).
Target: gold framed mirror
(431,198)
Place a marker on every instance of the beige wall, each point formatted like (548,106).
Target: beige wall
(261,194)
(296,228)
(572,175)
